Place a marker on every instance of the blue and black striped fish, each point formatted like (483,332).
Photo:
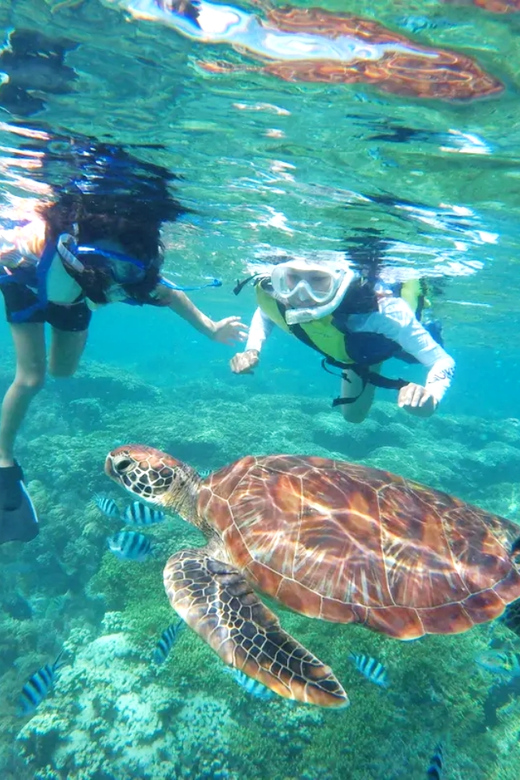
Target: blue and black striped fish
(253,687)
(107,505)
(371,668)
(436,762)
(141,514)
(38,686)
(166,642)
(130,546)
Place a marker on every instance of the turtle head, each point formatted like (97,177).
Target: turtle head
(156,477)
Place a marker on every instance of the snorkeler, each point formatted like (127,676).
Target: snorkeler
(355,324)
(97,242)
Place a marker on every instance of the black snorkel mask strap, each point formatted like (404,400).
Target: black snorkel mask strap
(237,289)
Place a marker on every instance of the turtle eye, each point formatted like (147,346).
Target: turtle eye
(123,465)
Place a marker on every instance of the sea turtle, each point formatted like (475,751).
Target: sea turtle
(404,67)
(315,45)
(331,540)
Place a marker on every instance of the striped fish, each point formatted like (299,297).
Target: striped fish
(253,687)
(435,769)
(166,642)
(141,514)
(130,546)
(372,669)
(38,686)
(107,505)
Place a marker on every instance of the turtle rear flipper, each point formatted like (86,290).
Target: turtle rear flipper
(217,602)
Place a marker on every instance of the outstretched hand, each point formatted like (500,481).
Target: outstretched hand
(244,362)
(417,400)
(229,330)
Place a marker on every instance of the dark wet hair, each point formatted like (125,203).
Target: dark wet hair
(119,198)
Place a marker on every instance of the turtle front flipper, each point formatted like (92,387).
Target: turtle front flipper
(217,602)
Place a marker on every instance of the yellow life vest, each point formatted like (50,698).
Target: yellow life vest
(413,292)
(322,334)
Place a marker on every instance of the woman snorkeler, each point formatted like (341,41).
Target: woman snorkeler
(97,242)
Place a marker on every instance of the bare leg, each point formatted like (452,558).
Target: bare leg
(66,350)
(352,387)
(29,343)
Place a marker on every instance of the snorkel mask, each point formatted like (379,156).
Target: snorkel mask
(320,285)
(124,269)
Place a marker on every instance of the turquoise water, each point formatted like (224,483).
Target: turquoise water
(267,166)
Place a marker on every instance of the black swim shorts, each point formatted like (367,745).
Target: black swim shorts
(18,297)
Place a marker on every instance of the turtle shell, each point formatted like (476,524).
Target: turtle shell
(347,543)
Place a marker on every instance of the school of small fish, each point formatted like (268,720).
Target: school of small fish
(130,545)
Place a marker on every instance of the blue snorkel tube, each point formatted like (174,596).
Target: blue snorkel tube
(188,288)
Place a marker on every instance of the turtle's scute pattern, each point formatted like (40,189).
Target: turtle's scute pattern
(216,602)
(347,543)
(413,70)
(499,6)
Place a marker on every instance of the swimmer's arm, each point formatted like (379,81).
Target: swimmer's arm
(244,362)
(226,331)
(259,331)
(416,340)
(402,326)
(439,377)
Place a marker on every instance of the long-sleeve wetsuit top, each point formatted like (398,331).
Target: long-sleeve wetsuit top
(396,321)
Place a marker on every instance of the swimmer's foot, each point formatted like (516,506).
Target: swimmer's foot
(18,518)
(11,479)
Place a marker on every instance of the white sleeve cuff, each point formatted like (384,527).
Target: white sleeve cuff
(439,377)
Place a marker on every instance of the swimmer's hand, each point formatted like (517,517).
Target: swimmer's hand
(229,330)
(417,400)
(244,362)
